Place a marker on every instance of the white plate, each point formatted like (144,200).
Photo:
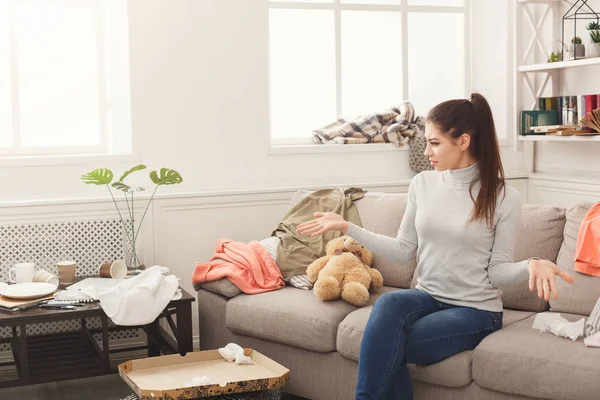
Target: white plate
(26,291)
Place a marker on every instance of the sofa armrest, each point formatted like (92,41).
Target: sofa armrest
(223,287)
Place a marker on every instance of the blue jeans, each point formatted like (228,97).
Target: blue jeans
(410,326)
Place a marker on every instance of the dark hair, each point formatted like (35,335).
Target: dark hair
(474,117)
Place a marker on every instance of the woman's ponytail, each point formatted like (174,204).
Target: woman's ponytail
(474,117)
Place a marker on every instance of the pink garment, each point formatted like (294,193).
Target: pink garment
(587,254)
(248,266)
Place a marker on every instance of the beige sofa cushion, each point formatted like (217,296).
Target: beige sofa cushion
(540,235)
(580,296)
(290,316)
(381,213)
(452,372)
(522,360)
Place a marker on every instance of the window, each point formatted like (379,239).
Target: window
(64,85)
(330,59)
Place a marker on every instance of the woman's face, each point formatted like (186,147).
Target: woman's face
(445,152)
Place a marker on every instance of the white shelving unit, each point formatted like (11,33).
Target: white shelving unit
(583,62)
(536,78)
(546,138)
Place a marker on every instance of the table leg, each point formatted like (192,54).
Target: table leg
(105,349)
(23,355)
(152,330)
(185,343)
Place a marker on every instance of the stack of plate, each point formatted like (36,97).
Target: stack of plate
(27,291)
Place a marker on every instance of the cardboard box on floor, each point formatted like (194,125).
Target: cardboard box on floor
(168,377)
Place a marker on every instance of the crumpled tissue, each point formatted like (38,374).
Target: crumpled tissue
(197,381)
(553,322)
(233,352)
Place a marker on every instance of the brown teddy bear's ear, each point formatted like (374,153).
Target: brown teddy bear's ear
(338,251)
(330,248)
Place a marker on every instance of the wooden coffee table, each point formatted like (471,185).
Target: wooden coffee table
(71,355)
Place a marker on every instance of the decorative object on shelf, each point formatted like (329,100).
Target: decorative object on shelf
(554,57)
(576,13)
(104,176)
(577,48)
(594,46)
(592,120)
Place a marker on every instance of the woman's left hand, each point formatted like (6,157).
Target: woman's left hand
(541,276)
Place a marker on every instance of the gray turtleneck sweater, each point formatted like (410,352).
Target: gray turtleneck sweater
(459,263)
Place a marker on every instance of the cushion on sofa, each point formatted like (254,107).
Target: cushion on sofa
(453,372)
(540,235)
(580,296)
(381,213)
(290,316)
(522,360)
(223,286)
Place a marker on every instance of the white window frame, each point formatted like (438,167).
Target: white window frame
(305,144)
(114,94)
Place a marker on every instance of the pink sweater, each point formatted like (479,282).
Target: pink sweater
(248,266)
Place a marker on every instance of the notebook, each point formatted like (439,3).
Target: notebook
(8,304)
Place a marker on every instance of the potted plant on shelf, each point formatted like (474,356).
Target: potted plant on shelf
(577,48)
(594,47)
(104,176)
(554,57)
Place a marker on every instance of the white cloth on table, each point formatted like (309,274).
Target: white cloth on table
(135,301)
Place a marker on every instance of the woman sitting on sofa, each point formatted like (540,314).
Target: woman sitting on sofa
(461,221)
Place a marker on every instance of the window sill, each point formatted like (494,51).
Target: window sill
(67,159)
(334,148)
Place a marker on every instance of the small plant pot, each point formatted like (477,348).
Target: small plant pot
(577,50)
(594,50)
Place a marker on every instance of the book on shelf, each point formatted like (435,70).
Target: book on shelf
(592,120)
(570,108)
(532,118)
(548,128)
(572,132)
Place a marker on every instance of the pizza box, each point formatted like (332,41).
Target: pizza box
(172,376)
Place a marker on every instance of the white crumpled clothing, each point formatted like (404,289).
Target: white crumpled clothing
(553,322)
(139,300)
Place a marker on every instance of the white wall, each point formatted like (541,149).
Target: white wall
(200,105)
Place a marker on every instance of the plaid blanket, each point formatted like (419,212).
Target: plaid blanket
(396,125)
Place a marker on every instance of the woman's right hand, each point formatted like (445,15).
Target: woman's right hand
(322,223)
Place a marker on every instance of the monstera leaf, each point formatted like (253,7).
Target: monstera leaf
(126,173)
(119,185)
(167,177)
(126,188)
(100,176)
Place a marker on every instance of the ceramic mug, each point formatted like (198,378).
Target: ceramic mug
(113,269)
(45,276)
(66,272)
(23,272)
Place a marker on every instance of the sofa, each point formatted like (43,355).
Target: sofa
(319,341)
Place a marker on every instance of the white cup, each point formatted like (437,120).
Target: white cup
(22,272)
(45,277)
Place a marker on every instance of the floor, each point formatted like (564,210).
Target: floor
(109,387)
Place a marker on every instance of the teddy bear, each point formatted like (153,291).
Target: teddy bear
(345,271)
